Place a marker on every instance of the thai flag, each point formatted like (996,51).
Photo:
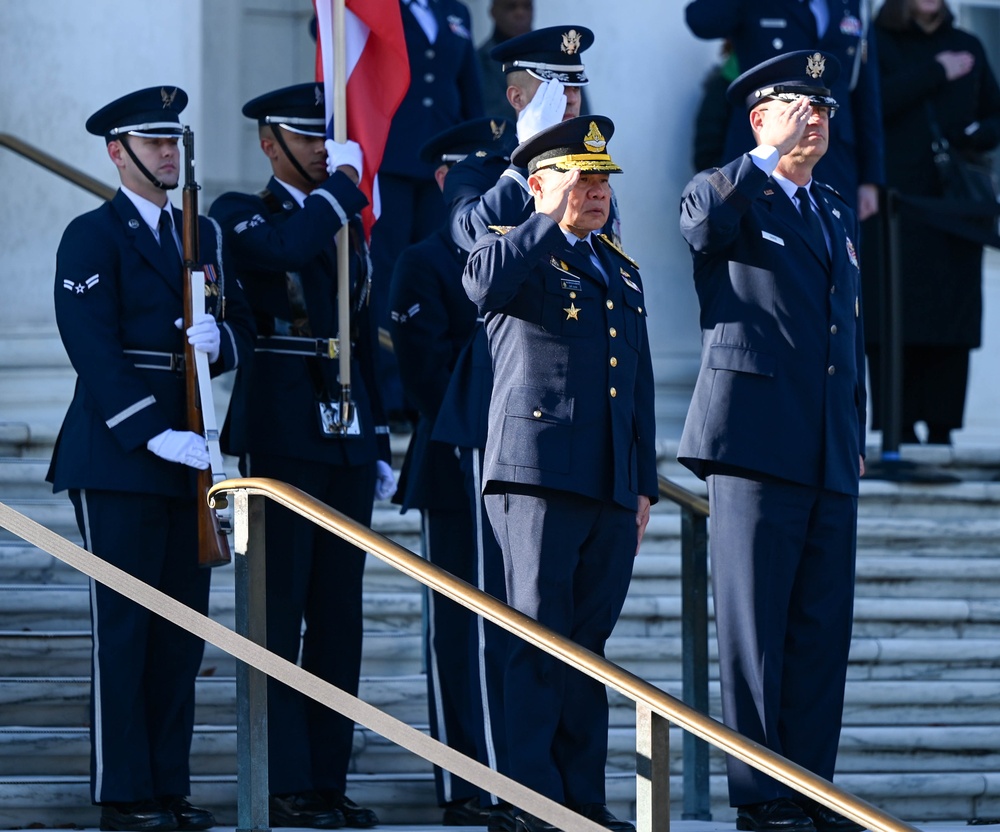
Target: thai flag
(378,75)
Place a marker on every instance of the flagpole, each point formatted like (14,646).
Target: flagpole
(339,58)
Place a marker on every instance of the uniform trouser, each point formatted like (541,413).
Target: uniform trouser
(143,667)
(568,561)
(489,641)
(313,575)
(783,582)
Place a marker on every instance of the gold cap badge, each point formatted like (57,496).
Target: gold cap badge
(571,42)
(594,141)
(815,65)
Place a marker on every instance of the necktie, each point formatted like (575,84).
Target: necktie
(815,230)
(584,248)
(821,12)
(425,17)
(171,256)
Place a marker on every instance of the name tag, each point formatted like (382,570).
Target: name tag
(773,23)
(772,238)
(571,285)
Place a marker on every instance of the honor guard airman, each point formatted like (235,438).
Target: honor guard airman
(432,319)
(285,422)
(128,460)
(570,467)
(776,426)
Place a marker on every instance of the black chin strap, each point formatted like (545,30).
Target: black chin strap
(280,139)
(142,167)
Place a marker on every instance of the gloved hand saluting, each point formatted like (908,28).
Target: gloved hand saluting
(203,335)
(547,107)
(385,482)
(181,446)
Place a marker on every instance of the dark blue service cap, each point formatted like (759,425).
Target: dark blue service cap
(547,54)
(153,113)
(786,77)
(576,144)
(484,136)
(300,108)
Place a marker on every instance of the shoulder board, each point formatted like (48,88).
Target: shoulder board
(501,229)
(831,190)
(604,238)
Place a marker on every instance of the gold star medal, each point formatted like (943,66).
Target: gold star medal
(572,313)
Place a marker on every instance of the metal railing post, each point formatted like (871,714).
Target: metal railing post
(652,770)
(251,684)
(694,640)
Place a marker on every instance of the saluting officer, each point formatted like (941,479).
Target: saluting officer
(431,321)
(570,467)
(776,426)
(128,461)
(283,423)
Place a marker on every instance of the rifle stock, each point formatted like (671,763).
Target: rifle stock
(213,547)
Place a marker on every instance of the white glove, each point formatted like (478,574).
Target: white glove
(547,107)
(203,335)
(343,153)
(181,446)
(385,482)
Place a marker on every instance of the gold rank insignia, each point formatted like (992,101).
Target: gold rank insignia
(497,129)
(572,313)
(594,141)
(815,65)
(604,238)
(500,229)
(571,42)
(768,192)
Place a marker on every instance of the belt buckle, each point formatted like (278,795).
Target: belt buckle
(177,363)
(328,347)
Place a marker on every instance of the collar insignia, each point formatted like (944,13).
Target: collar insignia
(768,192)
(571,42)
(133,223)
(815,65)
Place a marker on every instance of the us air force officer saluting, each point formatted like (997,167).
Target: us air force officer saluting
(570,466)
(776,425)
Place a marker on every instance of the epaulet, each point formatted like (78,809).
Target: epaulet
(500,229)
(831,189)
(604,238)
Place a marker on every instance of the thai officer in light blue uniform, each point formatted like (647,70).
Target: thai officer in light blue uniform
(444,91)
(570,467)
(431,321)
(763,29)
(282,422)
(777,425)
(128,460)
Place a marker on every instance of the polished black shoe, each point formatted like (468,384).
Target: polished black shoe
(779,815)
(140,816)
(598,813)
(501,818)
(525,822)
(825,819)
(306,809)
(188,817)
(357,817)
(465,813)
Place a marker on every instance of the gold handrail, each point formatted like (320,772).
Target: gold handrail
(60,168)
(680,495)
(610,674)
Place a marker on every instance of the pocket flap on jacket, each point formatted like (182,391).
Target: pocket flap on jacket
(740,360)
(538,403)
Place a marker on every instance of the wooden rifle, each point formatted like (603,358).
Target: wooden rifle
(213,547)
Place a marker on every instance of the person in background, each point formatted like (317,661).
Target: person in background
(128,460)
(762,29)
(931,71)
(283,424)
(712,120)
(511,18)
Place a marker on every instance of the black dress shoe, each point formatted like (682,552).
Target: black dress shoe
(501,818)
(465,813)
(779,815)
(827,820)
(188,817)
(598,813)
(357,817)
(306,809)
(139,816)
(525,822)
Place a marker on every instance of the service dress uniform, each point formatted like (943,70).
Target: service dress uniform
(763,29)
(118,291)
(432,319)
(281,243)
(569,453)
(776,425)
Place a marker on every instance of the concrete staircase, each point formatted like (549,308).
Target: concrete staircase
(922,722)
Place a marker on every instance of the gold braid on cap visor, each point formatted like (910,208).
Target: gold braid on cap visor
(592,162)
